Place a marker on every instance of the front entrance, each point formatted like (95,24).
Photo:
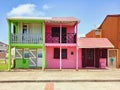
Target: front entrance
(89,57)
(35,59)
(112,58)
(32,58)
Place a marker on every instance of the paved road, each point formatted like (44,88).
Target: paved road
(62,86)
(38,79)
(86,74)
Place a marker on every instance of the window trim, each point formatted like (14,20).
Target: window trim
(58,52)
(55,31)
(55,53)
(65,53)
(26,53)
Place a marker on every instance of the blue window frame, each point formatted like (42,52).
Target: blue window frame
(39,55)
(26,55)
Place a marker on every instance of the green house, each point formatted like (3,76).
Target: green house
(26,42)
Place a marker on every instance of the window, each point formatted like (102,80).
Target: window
(39,55)
(25,28)
(55,31)
(14,29)
(64,53)
(2,51)
(26,54)
(1,44)
(57,53)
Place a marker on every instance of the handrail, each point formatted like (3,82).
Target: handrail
(65,38)
(27,38)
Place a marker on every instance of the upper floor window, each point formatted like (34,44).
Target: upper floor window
(55,31)
(14,29)
(25,28)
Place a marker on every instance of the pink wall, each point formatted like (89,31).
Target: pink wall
(52,63)
(70,29)
(70,62)
(80,58)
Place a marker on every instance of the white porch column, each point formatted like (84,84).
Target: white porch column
(60,47)
(76,46)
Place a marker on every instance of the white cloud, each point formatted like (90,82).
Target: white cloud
(81,35)
(46,7)
(25,10)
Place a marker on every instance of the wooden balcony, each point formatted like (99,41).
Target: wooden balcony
(65,38)
(26,39)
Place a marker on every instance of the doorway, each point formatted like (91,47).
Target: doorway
(64,33)
(35,58)
(25,33)
(112,58)
(88,57)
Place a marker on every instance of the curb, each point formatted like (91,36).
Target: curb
(57,81)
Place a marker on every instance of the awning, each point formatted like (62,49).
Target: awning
(94,43)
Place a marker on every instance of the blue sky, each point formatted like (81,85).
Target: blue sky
(91,13)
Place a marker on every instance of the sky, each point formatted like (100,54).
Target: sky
(91,13)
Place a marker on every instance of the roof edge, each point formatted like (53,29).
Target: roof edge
(114,15)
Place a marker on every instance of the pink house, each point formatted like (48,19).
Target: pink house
(93,52)
(61,42)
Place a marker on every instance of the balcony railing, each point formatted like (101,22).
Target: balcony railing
(65,38)
(26,38)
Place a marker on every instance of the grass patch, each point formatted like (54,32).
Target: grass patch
(3,65)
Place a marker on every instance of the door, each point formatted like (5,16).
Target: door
(18,53)
(112,58)
(33,58)
(64,35)
(25,33)
(39,58)
(55,35)
(83,58)
(97,57)
(89,57)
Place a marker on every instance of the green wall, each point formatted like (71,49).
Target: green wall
(24,63)
(21,63)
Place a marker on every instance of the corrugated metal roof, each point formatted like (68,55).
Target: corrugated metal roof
(50,20)
(45,18)
(29,18)
(65,19)
(94,43)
